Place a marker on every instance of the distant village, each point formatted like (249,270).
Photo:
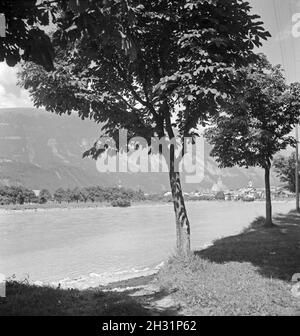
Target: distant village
(120,196)
(247,194)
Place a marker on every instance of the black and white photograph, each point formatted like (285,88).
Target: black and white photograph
(149,160)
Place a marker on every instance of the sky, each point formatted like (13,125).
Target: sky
(282,48)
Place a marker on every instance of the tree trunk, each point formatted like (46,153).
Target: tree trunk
(183,231)
(269,222)
(182,223)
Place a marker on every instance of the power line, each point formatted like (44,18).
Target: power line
(293,46)
(278,30)
(297,132)
(296,129)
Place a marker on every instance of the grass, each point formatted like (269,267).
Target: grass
(247,274)
(23,299)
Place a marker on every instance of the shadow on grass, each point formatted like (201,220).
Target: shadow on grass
(25,299)
(275,251)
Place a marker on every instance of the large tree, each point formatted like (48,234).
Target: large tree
(161,69)
(257,123)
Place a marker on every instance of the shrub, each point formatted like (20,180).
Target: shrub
(45,196)
(206,198)
(220,196)
(120,203)
(42,200)
(5,200)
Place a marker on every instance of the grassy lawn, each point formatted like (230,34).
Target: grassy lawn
(247,274)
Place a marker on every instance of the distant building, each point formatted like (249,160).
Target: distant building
(120,184)
(219,186)
(260,193)
(229,196)
(37,192)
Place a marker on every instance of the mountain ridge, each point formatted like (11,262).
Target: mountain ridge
(39,149)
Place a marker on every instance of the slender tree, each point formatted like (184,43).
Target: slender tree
(159,68)
(257,123)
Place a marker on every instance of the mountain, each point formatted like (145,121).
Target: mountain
(42,150)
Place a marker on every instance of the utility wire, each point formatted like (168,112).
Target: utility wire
(278,30)
(296,131)
(293,47)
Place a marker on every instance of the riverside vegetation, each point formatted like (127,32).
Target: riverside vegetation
(114,196)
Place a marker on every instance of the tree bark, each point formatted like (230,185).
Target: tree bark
(268,222)
(183,231)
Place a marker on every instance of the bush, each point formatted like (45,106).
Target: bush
(45,196)
(42,200)
(206,198)
(5,200)
(220,196)
(120,203)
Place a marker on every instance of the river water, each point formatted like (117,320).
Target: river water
(111,243)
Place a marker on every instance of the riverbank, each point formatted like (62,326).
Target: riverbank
(246,274)
(103,280)
(92,205)
(24,299)
(67,206)
(85,248)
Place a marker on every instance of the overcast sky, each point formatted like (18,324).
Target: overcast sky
(282,48)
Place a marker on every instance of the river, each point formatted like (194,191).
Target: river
(110,243)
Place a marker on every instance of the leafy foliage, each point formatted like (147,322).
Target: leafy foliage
(285,167)
(257,124)
(220,196)
(16,195)
(186,73)
(121,203)
(27,26)
(24,38)
(44,196)
(97,194)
